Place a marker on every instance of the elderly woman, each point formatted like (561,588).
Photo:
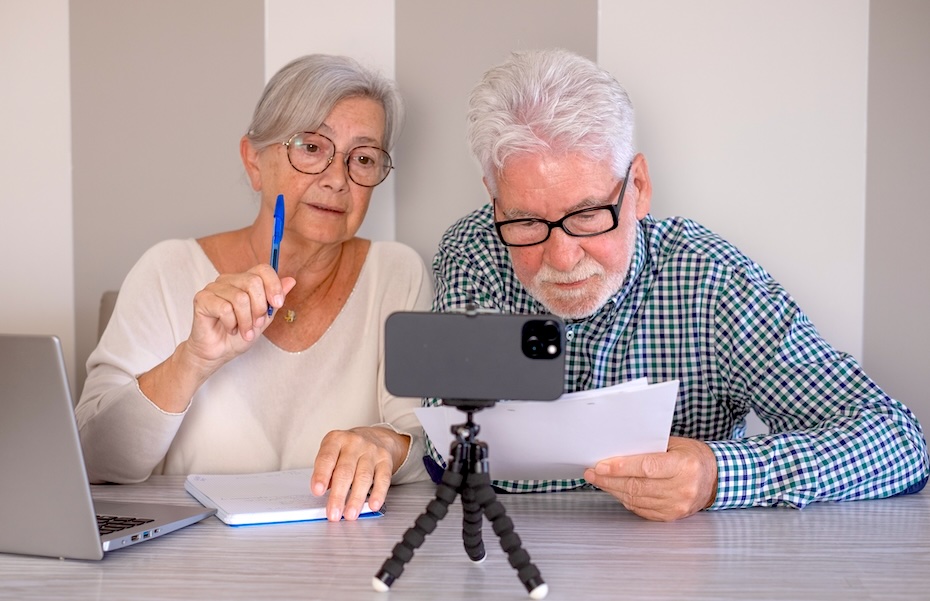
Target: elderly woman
(195,373)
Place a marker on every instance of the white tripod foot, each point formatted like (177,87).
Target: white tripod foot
(383,588)
(540,591)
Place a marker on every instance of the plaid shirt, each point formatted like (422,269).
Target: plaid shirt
(695,309)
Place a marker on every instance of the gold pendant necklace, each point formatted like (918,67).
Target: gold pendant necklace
(290,316)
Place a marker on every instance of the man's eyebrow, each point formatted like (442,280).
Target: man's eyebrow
(519,214)
(583,204)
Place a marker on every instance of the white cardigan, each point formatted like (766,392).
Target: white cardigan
(266,410)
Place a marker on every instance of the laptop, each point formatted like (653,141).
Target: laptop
(45,505)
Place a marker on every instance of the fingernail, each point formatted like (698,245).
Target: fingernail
(600,469)
(375,505)
(351,514)
(278,300)
(260,321)
(334,515)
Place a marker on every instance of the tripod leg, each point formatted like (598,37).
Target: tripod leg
(494,510)
(402,553)
(472,519)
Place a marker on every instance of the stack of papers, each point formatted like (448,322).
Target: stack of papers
(264,498)
(554,440)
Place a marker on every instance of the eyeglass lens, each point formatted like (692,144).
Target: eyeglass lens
(312,153)
(587,222)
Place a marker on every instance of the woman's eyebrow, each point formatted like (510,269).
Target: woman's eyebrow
(356,141)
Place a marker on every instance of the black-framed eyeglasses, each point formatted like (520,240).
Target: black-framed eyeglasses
(584,223)
(311,153)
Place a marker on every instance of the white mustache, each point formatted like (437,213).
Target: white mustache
(584,270)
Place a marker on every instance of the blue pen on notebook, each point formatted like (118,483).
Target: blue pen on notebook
(276,237)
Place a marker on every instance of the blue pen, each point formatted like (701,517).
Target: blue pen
(276,237)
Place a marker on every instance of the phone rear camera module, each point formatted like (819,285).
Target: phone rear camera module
(542,339)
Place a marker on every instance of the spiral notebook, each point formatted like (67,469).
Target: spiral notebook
(262,498)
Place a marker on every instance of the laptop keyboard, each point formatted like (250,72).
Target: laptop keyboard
(108,524)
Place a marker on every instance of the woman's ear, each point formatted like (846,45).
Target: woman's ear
(250,162)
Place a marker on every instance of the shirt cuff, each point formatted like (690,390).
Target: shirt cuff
(739,471)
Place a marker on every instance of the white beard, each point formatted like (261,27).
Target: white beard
(586,300)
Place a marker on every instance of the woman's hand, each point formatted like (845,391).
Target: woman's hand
(353,462)
(230,314)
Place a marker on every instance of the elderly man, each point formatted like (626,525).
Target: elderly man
(568,231)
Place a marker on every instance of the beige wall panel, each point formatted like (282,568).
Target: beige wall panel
(897,274)
(442,50)
(161,93)
(35,169)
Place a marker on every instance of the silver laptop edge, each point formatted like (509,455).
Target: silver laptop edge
(46,506)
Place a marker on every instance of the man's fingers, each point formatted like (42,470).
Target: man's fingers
(650,465)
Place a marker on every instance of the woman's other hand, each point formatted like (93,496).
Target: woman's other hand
(353,462)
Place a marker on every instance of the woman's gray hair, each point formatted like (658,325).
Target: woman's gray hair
(303,93)
(548,101)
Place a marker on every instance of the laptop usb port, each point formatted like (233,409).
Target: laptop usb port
(146,534)
(134,538)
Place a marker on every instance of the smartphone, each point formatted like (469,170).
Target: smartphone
(474,356)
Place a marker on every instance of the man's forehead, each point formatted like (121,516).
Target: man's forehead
(541,182)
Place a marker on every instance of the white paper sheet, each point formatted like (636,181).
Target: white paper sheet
(548,440)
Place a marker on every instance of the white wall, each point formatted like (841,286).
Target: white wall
(36,244)
(753,119)
(362,29)
(156,129)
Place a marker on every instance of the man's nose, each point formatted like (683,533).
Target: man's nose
(562,252)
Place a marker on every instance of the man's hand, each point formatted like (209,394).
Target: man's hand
(353,462)
(661,486)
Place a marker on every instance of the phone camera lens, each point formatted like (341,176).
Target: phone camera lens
(551,331)
(534,344)
(542,339)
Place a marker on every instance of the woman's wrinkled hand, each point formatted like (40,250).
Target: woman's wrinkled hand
(353,463)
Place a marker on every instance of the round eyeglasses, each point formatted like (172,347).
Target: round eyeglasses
(311,153)
(584,223)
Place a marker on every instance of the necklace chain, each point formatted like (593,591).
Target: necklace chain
(290,315)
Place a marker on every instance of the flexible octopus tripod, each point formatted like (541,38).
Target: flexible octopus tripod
(467,475)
